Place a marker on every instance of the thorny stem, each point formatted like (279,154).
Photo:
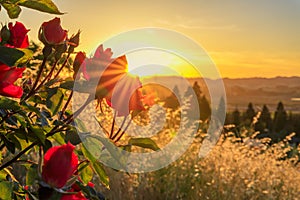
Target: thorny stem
(62,66)
(123,122)
(66,105)
(47,77)
(41,69)
(74,115)
(16,157)
(120,136)
(113,125)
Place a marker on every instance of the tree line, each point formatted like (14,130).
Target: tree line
(275,125)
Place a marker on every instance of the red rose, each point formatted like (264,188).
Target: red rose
(126,96)
(94,68)
(96,65)
(51,32)
(113,73)
(18,35)
(80,57)
(107,73)
(8,75)
(60,162)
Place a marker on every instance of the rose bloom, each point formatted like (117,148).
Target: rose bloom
(126,96)
(60,162)
(112,81)
(18,36)
(51,32)
(8,75)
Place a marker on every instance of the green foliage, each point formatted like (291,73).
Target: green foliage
(96,166)
(6,189)
(86,174)
(13,7)
(32,175)
(144,143)
(10,56)
(54,99)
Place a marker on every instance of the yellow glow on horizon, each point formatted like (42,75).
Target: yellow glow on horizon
(145,63)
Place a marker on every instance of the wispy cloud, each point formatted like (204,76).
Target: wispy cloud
(196,24)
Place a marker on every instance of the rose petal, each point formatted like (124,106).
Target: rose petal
(60,162)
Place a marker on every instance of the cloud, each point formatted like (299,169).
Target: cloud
(196,24)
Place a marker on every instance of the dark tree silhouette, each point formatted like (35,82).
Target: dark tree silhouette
(172,101)
(280,118)
(236,117)
(221,110)
(264,124)
(249,114)
(205,110)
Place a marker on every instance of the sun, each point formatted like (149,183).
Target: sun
(154,62)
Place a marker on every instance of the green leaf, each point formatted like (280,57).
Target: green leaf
(144,142)
(30,108)
(80,126)
(3,175)
(67,85)
(73,137)
(86,174)
(37,133)
(28,54)
(97,166)
(54,100)
(32,175)
(95,143)
(6,189)
(10,56)
(13,10)
(59,138)
(6,103)
(42,5)
(87,154)
(8,144)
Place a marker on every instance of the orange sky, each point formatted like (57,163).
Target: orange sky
(250,38)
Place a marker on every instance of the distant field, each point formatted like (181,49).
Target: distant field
(240,92)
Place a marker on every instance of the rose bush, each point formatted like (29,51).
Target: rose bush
(36,116)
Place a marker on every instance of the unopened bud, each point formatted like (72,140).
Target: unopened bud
(5,34)
(74,42)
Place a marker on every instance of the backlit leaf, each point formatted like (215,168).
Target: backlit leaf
(144,142)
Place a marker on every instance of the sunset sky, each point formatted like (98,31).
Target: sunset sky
(245,38)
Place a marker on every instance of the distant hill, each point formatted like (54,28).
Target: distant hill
(241,91)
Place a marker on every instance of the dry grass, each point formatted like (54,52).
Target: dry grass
(253,169)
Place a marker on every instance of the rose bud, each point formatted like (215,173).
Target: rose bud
(51,32)
(79,59)
(4,34)
(60,162)
(74,42)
